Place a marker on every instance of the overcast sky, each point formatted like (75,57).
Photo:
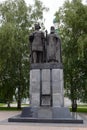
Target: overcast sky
(53,6)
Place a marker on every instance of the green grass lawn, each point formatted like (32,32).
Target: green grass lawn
(9,109)
(81,108)
(85,106)
(2,104)
(3,107)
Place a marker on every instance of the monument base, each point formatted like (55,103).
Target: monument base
(46,96)
(45,115)
(46,85)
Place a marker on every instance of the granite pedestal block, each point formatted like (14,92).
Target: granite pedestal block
(46,96)
(45,115)
(46,86)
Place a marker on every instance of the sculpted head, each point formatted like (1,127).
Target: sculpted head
(52,29)
(37,26)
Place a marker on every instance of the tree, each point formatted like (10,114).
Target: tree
(72,19)
(16,22)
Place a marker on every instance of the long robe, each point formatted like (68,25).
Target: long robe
(53,48)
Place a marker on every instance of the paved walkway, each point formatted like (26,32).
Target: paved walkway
(5,125)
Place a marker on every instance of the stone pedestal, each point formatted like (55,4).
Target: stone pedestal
(46,87)
(46,97)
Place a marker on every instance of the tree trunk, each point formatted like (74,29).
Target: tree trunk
(74,105)
(19,104)
(19,99)
(73,98)
(20,85)
(8,104)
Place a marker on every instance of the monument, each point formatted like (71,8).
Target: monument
(46,81)
(46,78)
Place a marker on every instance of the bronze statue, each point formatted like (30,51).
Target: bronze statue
(54,47)
(45,49)
(37,45)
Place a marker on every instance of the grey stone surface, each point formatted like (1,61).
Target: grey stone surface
(35,99)
(34,75)
(35,87)
(61,112)
(45,113)
(30,112)
(46,101)
(55,75)
(57,100)
(46,87)
(62,100)
(47,66)
(62,86)
(56,87)
(58,92)
(61,74)
(46,75)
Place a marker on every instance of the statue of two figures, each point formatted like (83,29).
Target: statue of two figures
(44,48)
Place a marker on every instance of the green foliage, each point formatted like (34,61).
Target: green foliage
(82,109)
(72,19)
(1,104)
(16,22)
(9,109)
